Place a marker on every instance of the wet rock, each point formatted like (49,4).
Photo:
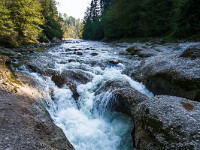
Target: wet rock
(19,55)
(25,124)
(71,79)
(128,99)
(170,74)
(123,52)
(79,53)
(124,97)
(77,76)
(41,64)
(68,50)
(142,52)
(7,52)
(71,60)
(31,51)
(80,49)
(113,61)
(94,54)
(167,122)
(112,85)
(192,52)
(145,54)
(60,81)
(133,50)
(56,40)
(4,60)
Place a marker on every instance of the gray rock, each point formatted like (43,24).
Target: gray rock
(113,61)
(76,76)
(41,64)
(128,99)
(141,52)
(71,78)
(94,54)
(25,124)
(71,60)
(79,53)
(192,52)
(170,74)
(56,40)
(167,122)
(4,60)
(124,98)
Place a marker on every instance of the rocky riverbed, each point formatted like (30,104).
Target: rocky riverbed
(111,95)
(25,124)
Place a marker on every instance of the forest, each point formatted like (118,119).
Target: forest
(32,21)
(70,26)
(117,19)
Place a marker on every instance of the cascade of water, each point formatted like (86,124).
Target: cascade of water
(90,124)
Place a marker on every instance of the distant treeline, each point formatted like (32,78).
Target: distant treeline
(33,21)
(70,26)
(116,19)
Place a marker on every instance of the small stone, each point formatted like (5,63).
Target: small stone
(115,62)
(71,60)
(79,53)
(94,54)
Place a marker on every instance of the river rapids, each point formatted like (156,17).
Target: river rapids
(88,121)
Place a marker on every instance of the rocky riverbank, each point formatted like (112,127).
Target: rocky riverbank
(82,77)
(165,121)
(25,124)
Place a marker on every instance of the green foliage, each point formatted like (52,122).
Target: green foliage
(187,19)
(94,20)
(71,27)
(120,19)
(28,21)
(52,26)
(26,16)
(8,35)
(20,22)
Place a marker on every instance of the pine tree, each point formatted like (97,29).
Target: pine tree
(27,18)
(8,35)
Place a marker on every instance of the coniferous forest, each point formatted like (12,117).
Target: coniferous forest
(117,19)
(32,21)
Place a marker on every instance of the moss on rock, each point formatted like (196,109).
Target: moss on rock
(133,50)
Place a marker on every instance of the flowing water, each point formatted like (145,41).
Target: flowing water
(88,122)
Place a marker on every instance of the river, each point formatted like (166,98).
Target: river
(87,119)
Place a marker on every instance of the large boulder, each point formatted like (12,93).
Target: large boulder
(192,52)
(71,79)
(4,60)
(7,52)
(25,123)
(142,52)
(75,76)
(167,122)
(170,74)
(124,97)
(128,99)
(41,64)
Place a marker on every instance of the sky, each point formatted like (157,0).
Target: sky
(75,8)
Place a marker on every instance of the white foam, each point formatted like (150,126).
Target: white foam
(86,129)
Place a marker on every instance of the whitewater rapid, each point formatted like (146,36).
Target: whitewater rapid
(86,125)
